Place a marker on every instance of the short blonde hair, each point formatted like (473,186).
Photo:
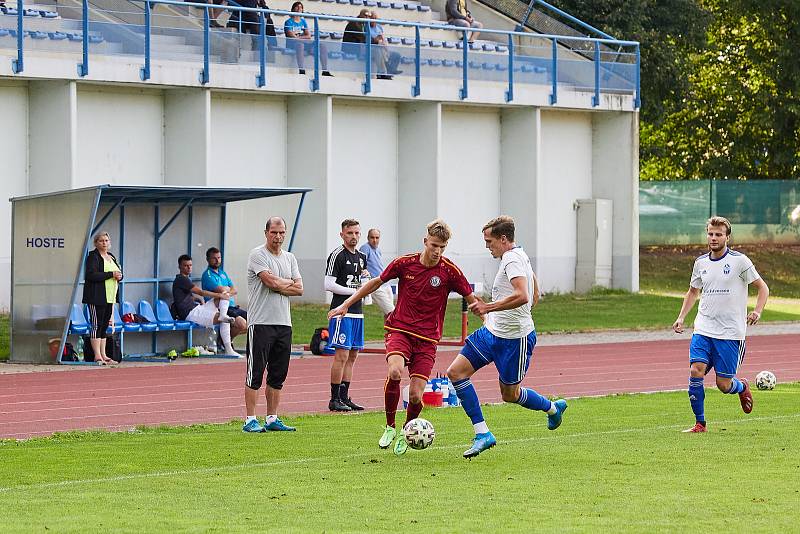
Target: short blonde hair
(100,234)
(716,220)
(439,228)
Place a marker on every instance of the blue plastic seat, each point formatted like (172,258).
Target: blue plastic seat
(96,39)
(435,44)
(75,36)
(146,311)
(488,47)
(384,4)
(337,36)
(501,48)
(163,315)
(406,60)
(9,10)
(423,9)
(30,12)
(448,63)
(48,14)
(37,35)
(393,40)
(448,44)
(434,62)
(127,308)
(334,55)
(348,56)
(410,7)
(408,40)
(77,321)
(397,5)
(370,3)
(3,32)
(127,327)
(57,36)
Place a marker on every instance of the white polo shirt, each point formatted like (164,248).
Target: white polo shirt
(723,302)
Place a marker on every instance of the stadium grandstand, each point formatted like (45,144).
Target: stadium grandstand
(535,117)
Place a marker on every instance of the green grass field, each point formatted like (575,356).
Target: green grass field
(617,464)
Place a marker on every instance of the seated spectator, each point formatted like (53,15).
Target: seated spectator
(459,15)
(216,280)
(187,303)
(390,59)
(354,40)
(250,21)
(299,38)
(213,12)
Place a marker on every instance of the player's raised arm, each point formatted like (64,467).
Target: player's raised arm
(362,292)
(688,303)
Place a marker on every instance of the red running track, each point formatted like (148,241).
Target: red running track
(40,403)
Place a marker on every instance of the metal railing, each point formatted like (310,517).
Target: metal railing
(608,76)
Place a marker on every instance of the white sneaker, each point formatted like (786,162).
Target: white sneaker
(226,319)
(204,351)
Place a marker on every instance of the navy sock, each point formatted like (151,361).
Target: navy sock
(697,398)
(469,400)
(736,387)
(532,400)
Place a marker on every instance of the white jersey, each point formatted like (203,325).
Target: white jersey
(723,302)
(517,322)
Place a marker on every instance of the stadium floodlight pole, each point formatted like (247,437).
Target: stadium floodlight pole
(18,64)
(554,68)
(315,81)
(144,74)
(83,68)
(596,97)
(510,91)
(415,89)
(206,48)
(366,87)
(261,77)
(463,92)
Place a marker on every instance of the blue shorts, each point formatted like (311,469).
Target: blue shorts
(724,355)
(511,356)
(346,333)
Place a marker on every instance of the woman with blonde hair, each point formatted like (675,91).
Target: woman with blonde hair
(100,293)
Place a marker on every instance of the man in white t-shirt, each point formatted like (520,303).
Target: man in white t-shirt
(719,328)
(507,337)
(272,277)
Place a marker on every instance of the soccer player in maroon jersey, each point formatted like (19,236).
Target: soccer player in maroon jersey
(415,326)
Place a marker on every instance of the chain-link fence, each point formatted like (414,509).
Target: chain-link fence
(675,212)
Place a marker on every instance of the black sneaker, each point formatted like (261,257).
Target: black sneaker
(353,406)
(327,73)
(336,405)
(302,71)
(214,24)
(384,77)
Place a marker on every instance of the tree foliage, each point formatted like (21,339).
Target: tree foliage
(720,84)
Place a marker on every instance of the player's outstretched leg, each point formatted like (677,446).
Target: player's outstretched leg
(391,397)
(468,397)
(741,388)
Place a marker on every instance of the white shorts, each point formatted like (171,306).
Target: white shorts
(203,314)
(384,299)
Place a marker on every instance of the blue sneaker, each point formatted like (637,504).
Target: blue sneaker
(278,426)
(554,421)
(481,443)
(253,426)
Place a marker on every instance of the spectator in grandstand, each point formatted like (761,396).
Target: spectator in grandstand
(383,295)
(296,29)
(342,278)
(459,15)
(390,59)
(250,21)
(216,280)
(188,304)
(272,277)
(100,293)
(353,43)
(213,12)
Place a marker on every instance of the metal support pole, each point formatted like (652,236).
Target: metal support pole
(637,102)
(510,91)
(366,87)
(145,72)
(465,58)
(315,81)
(596,97)
(415,89)
(206,47)
(261,78)
(554,69)
(296,220)
(83,68)
(18,64)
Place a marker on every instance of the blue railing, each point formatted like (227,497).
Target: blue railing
(619,73)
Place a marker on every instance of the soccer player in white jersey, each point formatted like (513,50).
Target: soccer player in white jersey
(507,337)
(719,328)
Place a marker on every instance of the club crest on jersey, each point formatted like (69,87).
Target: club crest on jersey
(436,281)
(726,269)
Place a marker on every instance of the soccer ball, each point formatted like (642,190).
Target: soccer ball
(419,433)
(765,380)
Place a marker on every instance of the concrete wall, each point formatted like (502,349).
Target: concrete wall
(393,164)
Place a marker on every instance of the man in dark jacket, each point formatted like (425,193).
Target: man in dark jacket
(459,15)
(354,40)
(250,21)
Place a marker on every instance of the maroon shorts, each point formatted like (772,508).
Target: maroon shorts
(419,354)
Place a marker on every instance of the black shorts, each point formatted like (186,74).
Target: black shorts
(99,315)
(236,311)
(268,349)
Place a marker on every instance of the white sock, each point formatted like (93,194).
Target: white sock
(552,409)
(481,428)
(250,418)
(225,334)
(223,307)
(270,419)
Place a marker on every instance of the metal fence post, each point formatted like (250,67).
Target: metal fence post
(637,102)
(596,97)
(510,91)
(83,68)
(144,74)
(261,78)
(366,87)
(416,88)
(315,81)
(554,69)
(204,75)
(17,65)
(465,58)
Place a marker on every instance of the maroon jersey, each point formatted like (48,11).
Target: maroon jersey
(422,295)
